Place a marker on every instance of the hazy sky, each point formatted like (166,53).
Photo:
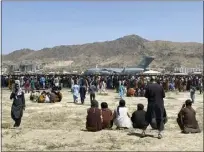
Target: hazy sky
(37,25)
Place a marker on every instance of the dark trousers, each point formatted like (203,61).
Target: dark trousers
(201,89)
(82,99)
(154,111)
(82,96)
(156,124)
(140,126)
(17,122)
(92,96)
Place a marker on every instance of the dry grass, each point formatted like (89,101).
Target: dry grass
(5,125)
(61,126)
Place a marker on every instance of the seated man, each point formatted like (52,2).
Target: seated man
(187,119)
(41,98)
(47,97)
(34,96)
(107,116)
(94,117)
(130,92)
(58,96)
(52,97)
(138,117)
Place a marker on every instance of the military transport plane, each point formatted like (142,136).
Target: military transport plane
(123,71)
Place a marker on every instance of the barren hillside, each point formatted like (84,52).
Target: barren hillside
(124,51)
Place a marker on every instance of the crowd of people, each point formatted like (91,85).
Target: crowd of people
(46,96)
(156,116)
(169,82)
(153,89)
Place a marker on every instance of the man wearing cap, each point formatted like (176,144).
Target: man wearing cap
(155,107)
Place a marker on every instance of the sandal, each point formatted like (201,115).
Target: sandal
(143,134)
(159,136)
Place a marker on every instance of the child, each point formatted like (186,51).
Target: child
(121,91)
(75,91)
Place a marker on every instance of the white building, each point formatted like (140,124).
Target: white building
(189,70)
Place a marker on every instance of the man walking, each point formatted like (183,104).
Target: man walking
(155,107)
(192,93)
(18,104)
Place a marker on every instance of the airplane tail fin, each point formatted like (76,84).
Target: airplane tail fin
(145,62)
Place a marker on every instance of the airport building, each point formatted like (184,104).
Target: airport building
(198,68)
(21,67)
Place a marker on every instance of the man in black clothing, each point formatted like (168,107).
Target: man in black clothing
(138,117)
(153,124)
(155,107)
(18,105)
(82,91)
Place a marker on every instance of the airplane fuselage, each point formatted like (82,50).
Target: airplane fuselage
(128,70)
(113,71)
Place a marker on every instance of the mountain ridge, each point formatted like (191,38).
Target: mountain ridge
(124,51)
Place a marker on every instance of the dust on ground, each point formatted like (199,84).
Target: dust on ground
(61,126)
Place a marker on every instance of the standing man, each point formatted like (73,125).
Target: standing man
(92,91)
(56,82)
(32,84)
(200,85)
(192,93)
(42,82)
(75,90)
(18,105)
(82,91)
(155,107)
(72,83)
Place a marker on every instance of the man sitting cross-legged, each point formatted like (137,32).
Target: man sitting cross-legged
(107,116)
(41,98)
(94,117)
(138,117)
(187,119)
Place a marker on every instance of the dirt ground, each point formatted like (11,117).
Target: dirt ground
(61,126)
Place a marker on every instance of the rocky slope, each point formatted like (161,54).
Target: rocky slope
(124,51)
